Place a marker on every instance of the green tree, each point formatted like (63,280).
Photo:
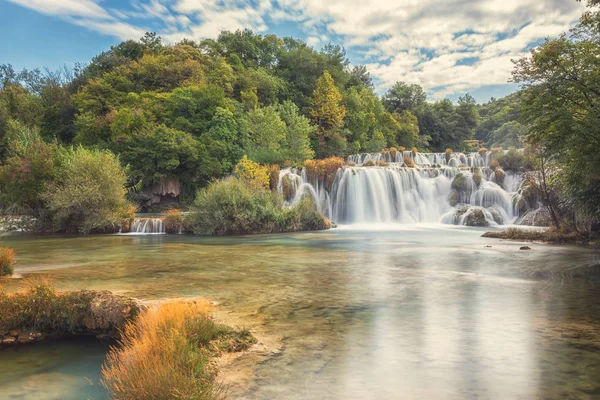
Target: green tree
(88,192)
(328,114)
(561,107)
(403,97)
(297,133)
(264,135)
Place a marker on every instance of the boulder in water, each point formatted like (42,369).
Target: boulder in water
(453,197)
(497,215)
(539,217)
(471,216)
(459,183)
(498,177)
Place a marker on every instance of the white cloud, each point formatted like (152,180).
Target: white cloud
(418,41)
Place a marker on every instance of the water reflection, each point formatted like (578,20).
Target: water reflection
(409,313)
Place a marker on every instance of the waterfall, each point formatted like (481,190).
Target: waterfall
(455,188)
(147,226)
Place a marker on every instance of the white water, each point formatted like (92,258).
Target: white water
(147,226)
(396,194)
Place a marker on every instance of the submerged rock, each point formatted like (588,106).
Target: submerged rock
(471,216)
(524,248)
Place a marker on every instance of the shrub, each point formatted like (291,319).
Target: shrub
(232,207)
(252,172)
(409,162)
(173,220)
(483,151)
(166,353)
(7,261)
(393,152)
(401,149)
(381,163)
(89,191)
(324,170)
(39,307)
(494,165)
(512,160)
(273,170)
(448,154)
(368,163)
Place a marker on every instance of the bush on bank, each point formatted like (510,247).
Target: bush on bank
(235,206)
(7,261)
(167,353)
(40,308)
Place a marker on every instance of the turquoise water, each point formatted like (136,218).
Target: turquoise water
(415,312)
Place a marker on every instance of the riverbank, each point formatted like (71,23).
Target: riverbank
(39,311)
(165,347)
(549,236)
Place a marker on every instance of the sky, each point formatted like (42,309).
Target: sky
(449,47)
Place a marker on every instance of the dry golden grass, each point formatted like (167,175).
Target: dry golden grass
(409,162)
(164,354)
(7,261)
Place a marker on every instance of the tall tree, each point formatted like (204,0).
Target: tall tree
(561,106)
(404,97)
(328,114)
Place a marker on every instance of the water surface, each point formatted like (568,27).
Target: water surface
(415,312)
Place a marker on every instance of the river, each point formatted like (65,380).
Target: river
(412,312)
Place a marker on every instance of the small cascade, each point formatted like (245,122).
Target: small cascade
(147,226)
(453,188)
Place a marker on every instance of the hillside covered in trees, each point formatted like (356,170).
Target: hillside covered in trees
(188,112)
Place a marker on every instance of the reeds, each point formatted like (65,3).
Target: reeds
(163,355)
(7,261)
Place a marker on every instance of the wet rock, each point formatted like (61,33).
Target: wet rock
(471,216)
(453,197)
(496,215)
(539,217)
(477,177)
(108,312)
(524,248)
(9,340)
(24,339)
(498,177)
(15,332)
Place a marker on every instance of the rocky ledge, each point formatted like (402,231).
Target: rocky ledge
(64,314)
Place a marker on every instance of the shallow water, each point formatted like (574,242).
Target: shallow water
(387,312)
(53,370)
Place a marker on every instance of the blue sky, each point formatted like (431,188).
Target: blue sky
(449,47)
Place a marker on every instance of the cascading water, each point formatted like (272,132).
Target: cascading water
(456,188)
(147,226)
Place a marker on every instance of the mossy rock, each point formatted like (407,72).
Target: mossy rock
(477,177)
(474,216)
(530,192)
(459,183)
(453,197)
(287,188)
(498,177)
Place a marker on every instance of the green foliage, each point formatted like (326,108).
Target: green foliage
(512,160)
(297,133)
(328,115)
(560,104)
(88,192)
(264,135)
(23,176)
(403,97)
(233,207)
